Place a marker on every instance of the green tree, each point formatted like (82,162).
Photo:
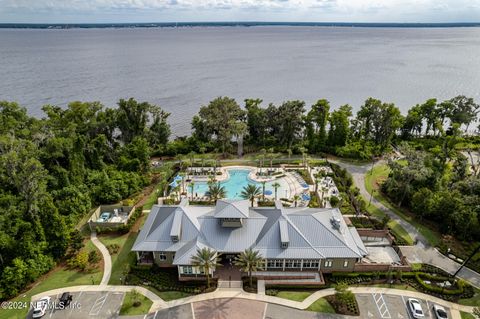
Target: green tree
(339,126)
(290,121)
(206,259)
(316,122)
(132,118)
(250,192)
(220,118)
(257,121)
(249,261)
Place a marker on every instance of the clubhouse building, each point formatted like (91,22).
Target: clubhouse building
(289,239)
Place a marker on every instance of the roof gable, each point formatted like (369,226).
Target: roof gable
(232,208)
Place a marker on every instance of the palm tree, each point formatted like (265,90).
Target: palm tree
(263,190)
(250,192)
(202,150)
(289,152)
(206,259)
(324,189)
(271,155)
(296,198)
(191,156)
(317,180)
(249,261)
(182,174)
(303,150)
(216,192)
(177,191)
(275,186)
(192,186)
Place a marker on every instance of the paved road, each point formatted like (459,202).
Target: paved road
(422,251)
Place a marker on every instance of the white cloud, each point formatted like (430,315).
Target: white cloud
(268,10)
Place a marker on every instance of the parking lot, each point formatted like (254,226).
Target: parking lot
(87,304)
(388,306)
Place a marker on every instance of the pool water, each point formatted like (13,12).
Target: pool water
(237,181)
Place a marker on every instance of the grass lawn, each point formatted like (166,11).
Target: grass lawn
(394,286)
(57,278)
(396,228)
(128,309)
(321,305)
(373,179)
(124,256)
(294,295)
(172,295)
(466,315)
(474,301)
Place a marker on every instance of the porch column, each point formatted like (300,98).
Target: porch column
(319,264)
(178,270)
(301,265)
(138,256)
(266,263)
(284,264)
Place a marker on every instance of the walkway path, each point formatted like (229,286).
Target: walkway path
(107,260)
(422,251)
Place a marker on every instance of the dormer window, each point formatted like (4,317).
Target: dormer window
(175,238)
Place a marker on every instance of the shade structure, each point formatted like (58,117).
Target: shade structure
(268,192)
(306,197)
(173,184)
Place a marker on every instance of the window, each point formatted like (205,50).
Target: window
(315,264)
(270,263)
(187,270)
(345,263)
(162,256)
(297,263)
(289,264)
(328,263)
(278,263)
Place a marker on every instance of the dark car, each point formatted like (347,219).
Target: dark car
(65,300)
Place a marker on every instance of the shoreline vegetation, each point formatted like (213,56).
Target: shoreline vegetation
(235,24)
(53,170)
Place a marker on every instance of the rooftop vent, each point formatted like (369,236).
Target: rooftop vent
(336,222)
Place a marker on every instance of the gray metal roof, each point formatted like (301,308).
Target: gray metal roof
(283,231)
(226,208)
(309,232)
(176,223)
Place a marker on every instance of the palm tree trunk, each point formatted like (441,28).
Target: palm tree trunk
(251,279)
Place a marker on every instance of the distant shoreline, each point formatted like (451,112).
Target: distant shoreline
(231,24)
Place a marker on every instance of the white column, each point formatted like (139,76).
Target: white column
(301,266)
(319,264)
(138,256)
(266,262)
(284,264)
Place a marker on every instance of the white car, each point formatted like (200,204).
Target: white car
(41,307)
(440,312)
(415,308)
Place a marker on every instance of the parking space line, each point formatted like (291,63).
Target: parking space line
(428,308)
(381,305)
(265,311)
(193,312)
(406,307)
(98,305)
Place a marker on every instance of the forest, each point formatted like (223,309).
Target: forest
(54,169)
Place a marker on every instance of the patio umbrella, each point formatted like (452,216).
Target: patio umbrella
(268,192)
(173,184)
(305,197)
(305,185)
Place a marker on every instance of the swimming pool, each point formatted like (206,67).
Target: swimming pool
(238,179)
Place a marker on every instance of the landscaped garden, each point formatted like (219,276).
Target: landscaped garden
(135,303)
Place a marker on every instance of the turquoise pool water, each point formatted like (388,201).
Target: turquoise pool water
(237,181)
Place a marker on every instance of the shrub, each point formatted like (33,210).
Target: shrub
(93,257)
(79,261)
(113,248)
(271,292)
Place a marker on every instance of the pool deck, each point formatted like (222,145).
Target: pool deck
(294,187)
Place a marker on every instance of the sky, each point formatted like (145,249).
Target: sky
(98,11)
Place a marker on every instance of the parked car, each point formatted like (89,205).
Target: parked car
(415,308)
(65,300)
(41,307)
(440,312)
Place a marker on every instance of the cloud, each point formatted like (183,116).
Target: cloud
(267,10)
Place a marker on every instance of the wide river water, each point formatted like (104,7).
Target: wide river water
(181,69)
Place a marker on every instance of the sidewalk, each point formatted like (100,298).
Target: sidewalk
(107,260)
